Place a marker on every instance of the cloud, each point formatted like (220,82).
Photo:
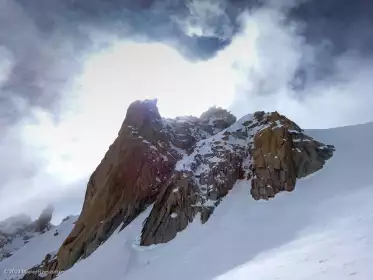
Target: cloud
(67,78)
(35,73)
(39,92)
(208,19)
(310,82)
(38,69)
(54,37)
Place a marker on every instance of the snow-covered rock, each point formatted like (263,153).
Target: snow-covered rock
(184,167)
(18,230)
(322,231)
(257,147)
(14,234)
(35,250)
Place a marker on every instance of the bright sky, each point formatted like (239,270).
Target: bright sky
(126,72)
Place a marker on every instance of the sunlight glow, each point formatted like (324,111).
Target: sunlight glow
(128,71)
(131,71)
(114,78)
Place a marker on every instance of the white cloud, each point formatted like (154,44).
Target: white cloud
(277,51)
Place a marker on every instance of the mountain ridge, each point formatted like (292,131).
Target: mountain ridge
(16,231)
(184,167)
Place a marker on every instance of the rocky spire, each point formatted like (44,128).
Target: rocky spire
(184,167)
(44,221)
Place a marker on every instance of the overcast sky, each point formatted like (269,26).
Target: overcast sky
(70,68)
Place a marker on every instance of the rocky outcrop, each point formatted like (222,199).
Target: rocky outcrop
(43,271)
(126,181)
(17,230)
(216,119)
(129,177)
(185,132)
(269,149)
(184,167)
(175,209)
(43,223)
(281,153)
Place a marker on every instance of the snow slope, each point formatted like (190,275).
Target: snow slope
(323,230)
(34,252)
(15,242)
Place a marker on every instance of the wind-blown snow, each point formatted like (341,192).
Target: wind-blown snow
(323,230)
(34,252)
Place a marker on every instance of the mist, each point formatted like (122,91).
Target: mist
(73,67)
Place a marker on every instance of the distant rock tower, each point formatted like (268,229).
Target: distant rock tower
(43,222)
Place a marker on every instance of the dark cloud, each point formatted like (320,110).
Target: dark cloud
(346,24)
(334,28)
(151,20)
(45,40)
(39,67)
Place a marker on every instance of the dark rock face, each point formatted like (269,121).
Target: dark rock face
(185,166)
(48,264)
(175,210)
(43,223)
(281,154)
(126,181)
(310,155)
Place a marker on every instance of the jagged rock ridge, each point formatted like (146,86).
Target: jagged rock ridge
(267,148)
(185,166)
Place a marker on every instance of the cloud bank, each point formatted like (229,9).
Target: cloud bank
(68,75)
